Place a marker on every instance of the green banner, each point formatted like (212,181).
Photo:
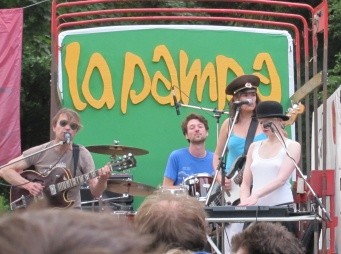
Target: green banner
(122,79)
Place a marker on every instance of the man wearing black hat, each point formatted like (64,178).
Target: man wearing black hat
(268,168)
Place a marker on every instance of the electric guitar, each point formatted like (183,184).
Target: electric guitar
(57,183)
(232,196)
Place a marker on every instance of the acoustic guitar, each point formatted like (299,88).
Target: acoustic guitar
(232,196)
(58,182)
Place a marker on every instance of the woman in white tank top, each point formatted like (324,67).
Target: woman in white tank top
(268,168)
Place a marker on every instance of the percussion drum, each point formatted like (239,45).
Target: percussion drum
(198,185)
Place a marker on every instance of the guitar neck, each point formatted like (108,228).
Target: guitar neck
(78,180)
(126,162)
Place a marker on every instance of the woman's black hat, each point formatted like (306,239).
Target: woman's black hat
(270,109)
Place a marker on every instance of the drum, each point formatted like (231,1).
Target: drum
(198,185)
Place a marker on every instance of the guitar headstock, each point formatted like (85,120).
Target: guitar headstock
(122,163)
(293,112)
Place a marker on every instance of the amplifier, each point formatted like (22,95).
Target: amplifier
(115,201)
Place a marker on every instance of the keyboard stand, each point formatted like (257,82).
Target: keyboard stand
(309,217)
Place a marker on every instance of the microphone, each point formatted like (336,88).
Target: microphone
(176,104)
(239,103)
(67,137)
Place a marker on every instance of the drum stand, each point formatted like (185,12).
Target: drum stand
(102,203)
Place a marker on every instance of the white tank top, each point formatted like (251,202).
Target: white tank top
(266,170)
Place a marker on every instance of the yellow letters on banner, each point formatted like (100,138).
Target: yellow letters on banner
(187,78)
(173,83)
(96,61)
(214,74)
(71,65)
(264,61)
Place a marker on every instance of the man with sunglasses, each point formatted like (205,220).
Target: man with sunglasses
(59,160)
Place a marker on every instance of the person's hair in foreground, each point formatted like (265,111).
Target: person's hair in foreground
(266,238)
(68,231)
(173,221)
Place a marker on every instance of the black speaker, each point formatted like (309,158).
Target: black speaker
(109,200)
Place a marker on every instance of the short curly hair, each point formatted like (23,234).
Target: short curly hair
(267,238)
(173,220)
(190,117)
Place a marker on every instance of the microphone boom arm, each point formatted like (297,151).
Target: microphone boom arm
(30,155)
(202,108)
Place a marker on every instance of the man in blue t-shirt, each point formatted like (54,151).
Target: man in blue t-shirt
(193,160)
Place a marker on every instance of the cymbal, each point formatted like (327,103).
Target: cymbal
(129,187)
(116,150)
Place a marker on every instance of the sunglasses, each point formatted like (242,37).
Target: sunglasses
(73,126)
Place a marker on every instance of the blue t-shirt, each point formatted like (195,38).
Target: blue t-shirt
(181,164)
(236,148)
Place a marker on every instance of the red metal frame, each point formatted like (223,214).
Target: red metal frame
(319,13)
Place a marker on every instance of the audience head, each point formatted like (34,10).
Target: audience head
(173,221)
(68,231)
(266,238)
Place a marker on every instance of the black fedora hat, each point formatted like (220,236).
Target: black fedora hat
(270,109)
(249,82)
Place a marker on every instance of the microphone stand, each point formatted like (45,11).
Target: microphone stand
(317,200)
(221,166)
(30,155)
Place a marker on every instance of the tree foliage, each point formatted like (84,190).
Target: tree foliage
(334,45)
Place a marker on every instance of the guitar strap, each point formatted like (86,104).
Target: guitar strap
(216,198)
(250,134)
(75,154)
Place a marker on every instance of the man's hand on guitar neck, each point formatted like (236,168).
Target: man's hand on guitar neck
(104,173)
(97,186)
